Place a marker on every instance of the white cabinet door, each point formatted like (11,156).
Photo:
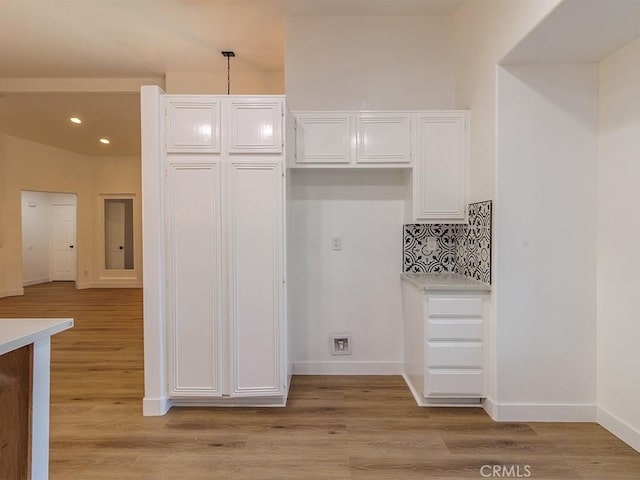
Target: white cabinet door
(256,268)
(193,124)
(324,138)
(440,167)
(255,126)
(194,304)
(383,138)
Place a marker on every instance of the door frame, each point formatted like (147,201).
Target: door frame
(49,199)
(52,250)
(126,277)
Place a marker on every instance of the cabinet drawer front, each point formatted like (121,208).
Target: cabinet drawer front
(454,383)
(455,307)
(450,355)
(463,329)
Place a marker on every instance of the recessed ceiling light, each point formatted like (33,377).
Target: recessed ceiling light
(105,141)
(75,120)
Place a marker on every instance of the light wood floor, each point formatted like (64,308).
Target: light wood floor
(333,427)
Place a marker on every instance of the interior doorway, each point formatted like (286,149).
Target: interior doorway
(118,229)
(49,247)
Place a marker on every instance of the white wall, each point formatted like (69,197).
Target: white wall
(355,290)
(32,166)
(35,238)
(242,83)
(369,63)
(115,177)
(356,63)
(546,227)
(484,31)
(3,268)
(618,254)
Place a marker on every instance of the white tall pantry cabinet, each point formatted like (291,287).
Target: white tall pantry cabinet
(216,172)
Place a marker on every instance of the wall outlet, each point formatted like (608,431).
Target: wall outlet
(432,244)
(340,344)
(86,273)
(336,243)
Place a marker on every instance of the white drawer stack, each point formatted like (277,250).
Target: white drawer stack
(454,346)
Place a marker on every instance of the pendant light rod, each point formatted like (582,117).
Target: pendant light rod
(228,54)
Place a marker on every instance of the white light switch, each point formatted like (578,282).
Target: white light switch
(336,243)
(432,244)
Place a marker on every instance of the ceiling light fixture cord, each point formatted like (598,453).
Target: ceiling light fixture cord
(228,54)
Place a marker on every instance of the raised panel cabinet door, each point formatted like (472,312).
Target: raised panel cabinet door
(255,229)
(255,126)
(195,280)
(383,138)
(323,138)
(439,177)
(193,124)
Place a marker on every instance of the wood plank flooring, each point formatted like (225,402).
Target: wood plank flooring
(332,428)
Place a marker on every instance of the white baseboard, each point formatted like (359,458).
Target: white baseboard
(155,407)
(491,408)
(12,293)
(347,368)
(619,428)
(36,281)
(540,412)
(109,284)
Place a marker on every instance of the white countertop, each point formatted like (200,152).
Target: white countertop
(18,332)
(445,282)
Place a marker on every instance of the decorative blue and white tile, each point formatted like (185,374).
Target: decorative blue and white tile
(474,244)
(464,249)
(418,259)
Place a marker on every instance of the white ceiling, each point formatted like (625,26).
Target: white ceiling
(61,39)
(579,31)
(50,41)
(44,118)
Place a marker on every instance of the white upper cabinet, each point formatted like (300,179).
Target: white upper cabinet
(383,138)
(255,125)
(252,124)
(434,144)
(440,169)
(193,124)
(352,139)
(323,138)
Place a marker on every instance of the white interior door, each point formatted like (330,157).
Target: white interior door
(63,240)
(114,223)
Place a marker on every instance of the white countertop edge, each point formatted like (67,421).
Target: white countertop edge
(443,282)
(17,332)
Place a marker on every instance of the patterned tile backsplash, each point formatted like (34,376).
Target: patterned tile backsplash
(464,249)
